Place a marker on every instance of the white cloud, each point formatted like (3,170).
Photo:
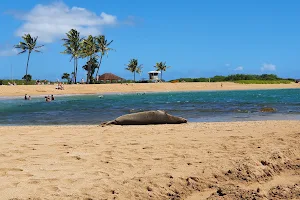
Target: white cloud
(227,65)
(268,67)
(240,68)
(51,22)
(8,52)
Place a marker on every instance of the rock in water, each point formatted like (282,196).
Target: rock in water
(268,109)
(145,118)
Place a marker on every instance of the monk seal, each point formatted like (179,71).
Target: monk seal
(145,118)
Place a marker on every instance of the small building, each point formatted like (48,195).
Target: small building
(109,77)
(154,75)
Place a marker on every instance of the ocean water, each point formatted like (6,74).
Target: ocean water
(206,106)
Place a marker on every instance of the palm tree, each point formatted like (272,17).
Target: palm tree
(93,66)
(29,44)
(89,49)
(27,77)
(73,47)
(161,66)
(134,67)
(66,76)
(102,48)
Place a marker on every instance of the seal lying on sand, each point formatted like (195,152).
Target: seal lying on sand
(147,117)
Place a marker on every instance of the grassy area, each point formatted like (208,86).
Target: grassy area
(263,81)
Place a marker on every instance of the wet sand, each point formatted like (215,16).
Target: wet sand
(236,160)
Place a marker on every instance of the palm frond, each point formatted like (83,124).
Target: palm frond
(28,43)
(39,46)
(22,52)
(109,43)
(72,43)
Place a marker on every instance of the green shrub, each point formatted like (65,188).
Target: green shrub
(263,81)
(240,77)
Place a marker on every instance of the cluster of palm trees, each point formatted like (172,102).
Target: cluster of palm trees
(77,47)
(134,67)
(94,48)
(89,48)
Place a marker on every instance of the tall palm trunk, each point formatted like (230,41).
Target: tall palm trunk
(99,66)
(161,75)
(134,76)
(89,70)
(74,73)
(75,78)
(26,78)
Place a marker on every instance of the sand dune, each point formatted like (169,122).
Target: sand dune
(21,90)
(236,160)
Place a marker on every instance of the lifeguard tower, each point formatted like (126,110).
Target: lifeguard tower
(154,76)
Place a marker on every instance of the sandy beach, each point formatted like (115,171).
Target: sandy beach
(222,160)
(35,90)
(176,140)
(236,160)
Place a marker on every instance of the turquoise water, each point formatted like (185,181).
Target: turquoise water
(208,106)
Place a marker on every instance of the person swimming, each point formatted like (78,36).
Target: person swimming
(47,98)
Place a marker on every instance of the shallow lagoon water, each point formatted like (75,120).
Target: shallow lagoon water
(206,106)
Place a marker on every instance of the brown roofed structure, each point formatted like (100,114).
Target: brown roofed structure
(109,77)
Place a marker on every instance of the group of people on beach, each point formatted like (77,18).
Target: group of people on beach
(60,86)
(9,83)
(42,82)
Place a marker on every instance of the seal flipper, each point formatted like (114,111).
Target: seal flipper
(108,123)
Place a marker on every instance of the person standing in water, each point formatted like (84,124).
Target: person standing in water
(52,97)
(47,98)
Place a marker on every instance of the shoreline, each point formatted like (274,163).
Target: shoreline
(131,126)
(282,118)
(105,89)
(65,93)
(188,161)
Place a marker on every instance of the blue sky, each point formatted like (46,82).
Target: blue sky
(197,38)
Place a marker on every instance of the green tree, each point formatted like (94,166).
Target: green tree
(218,78)
(161,66)
(27,77)
(73,48)
(269,77)
(93,63)
(66,76)
(102,48)
(28,44)
(134,67)
(89,48)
